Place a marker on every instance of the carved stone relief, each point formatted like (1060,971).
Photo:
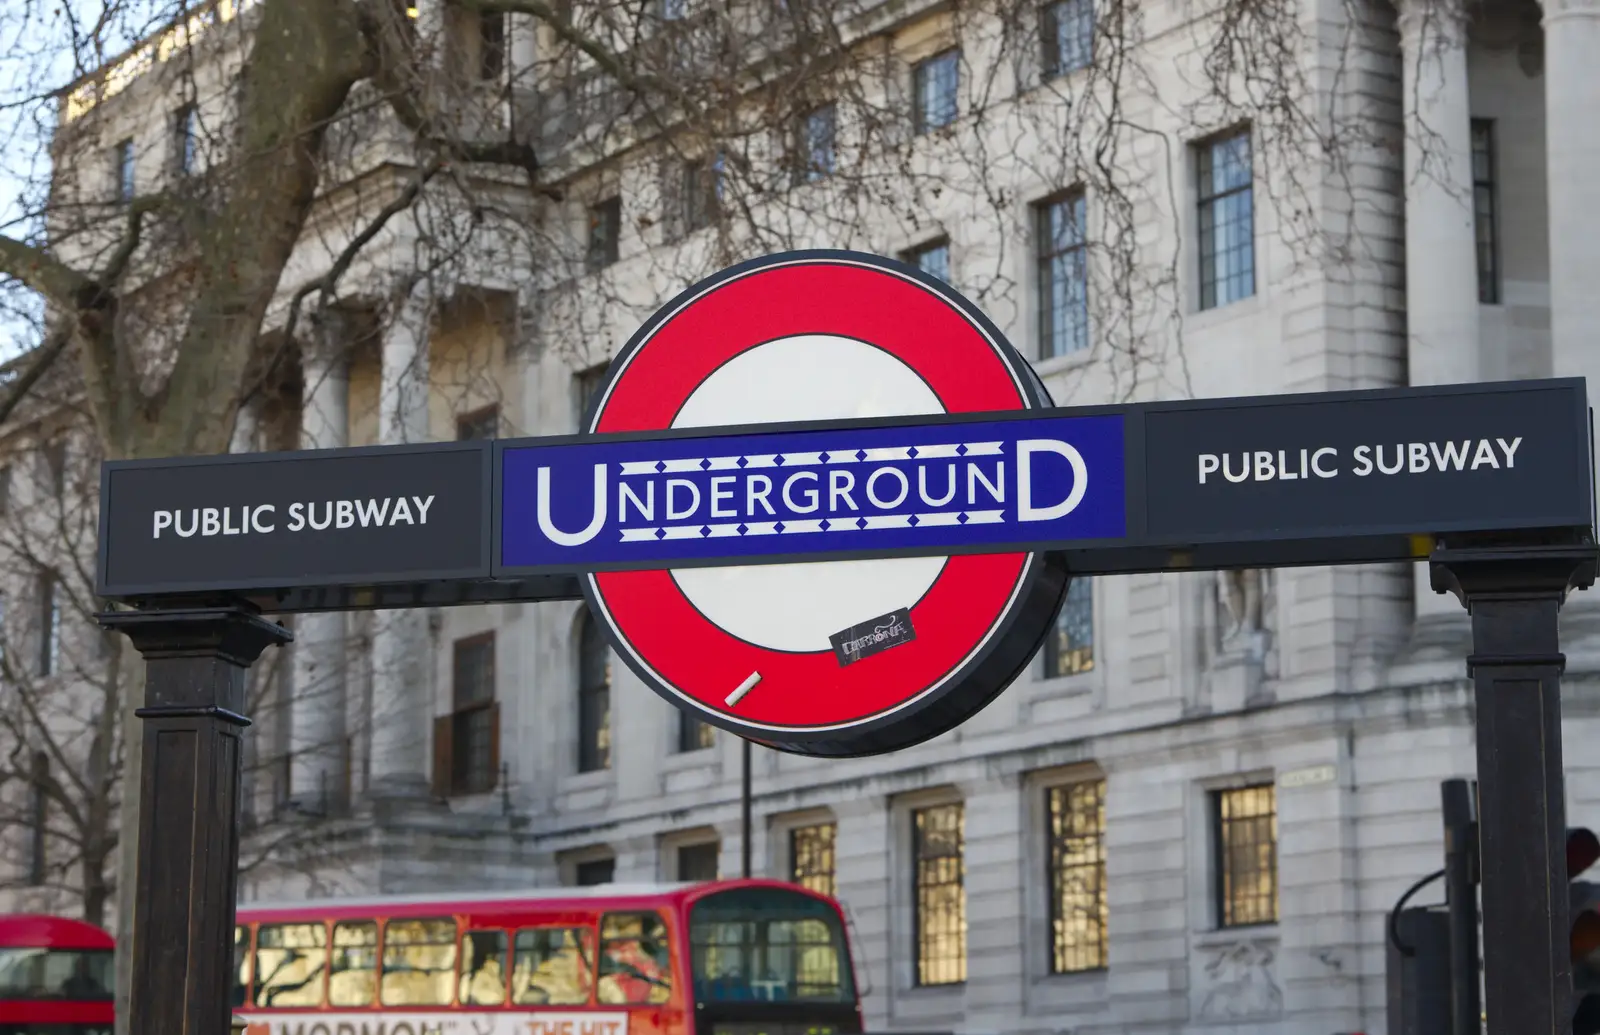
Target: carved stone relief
(1238,983)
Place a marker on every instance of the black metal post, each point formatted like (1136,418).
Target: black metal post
(186,888)
(1514,595)
(744,811)
(1461,896)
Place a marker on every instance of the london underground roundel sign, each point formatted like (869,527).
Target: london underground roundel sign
(831,658)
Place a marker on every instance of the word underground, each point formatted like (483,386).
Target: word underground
(261,519)
(1408,457)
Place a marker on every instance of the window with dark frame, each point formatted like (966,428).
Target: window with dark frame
(698,862)
(811,857)
(49,626)
(122,157)
(184,140)
(1077,817)
(940,907)
(39,818)
(594,872)
(932,258)
(605,233)
(467,741)
(1245,839)
(1227,219)
(700,188)
(491,45)
(936,90)
(694,735)
(478,424)
(585,385)
(1063,276)
(53,462)
(594,698)
(814,150)
(1070,649)
(1066,30)
(1486,226)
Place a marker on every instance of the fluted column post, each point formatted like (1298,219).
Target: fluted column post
(400,656)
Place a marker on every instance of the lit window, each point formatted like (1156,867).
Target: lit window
(939,876)
(1070,648)
(935,87)
(419,963)
(353,968)
(635,959)
(594,698)
(1485,223)
(1063,277)
(1066,29)
(1245,830)
(811,857)
(1227,221)
(554,966)
(289,964)
(1077,877)
(483,968)
(932,258)
(605,231)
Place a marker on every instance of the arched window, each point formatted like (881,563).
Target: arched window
(594,697)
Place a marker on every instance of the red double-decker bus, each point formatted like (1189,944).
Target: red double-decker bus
(738,957)
(55,977)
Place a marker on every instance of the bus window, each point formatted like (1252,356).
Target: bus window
(353,972)
(241,965)
(552,967)
(483,968)
(79,975)
(635,965)
(419,962)
(768,944)
(290,960)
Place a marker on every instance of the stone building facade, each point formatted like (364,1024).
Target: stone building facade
(1196,809)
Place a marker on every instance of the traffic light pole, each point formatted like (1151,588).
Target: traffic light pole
(186,886)
(1461,895)
(1514,595)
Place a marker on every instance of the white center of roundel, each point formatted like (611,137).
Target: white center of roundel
(796,607)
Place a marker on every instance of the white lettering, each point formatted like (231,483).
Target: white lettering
(646,507)
(311,516)
(1484,455)
(255,519)
(1510,450)
(1026,511)
(752,497)
(422,508)
(346,510)
(949,485)
(1264,469)
(297,517)
(673,513)
(163,519)
(996,488)
(885,472)
(840,484)
(1419,457)
(812,495)
(1399,460)
(1209,464)
(1450,455)
(372,511)
(1284,474)
(1363,461)
(401,512)
(718,494)
(227,524)
(1316,461)
(1227,468)
(548,527)
(210,521)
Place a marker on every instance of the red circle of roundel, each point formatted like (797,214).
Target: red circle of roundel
(975,626)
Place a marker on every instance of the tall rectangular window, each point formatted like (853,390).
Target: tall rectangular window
(1063,276)
(1227,220)
(1070,648)
(932,258)
(184,140)
(594,698)
(939,877)
(814,150)
(698,862)
(693,735)
(122,169)
(491,45)
(1485,217)
(53,466)
(1245,836)
(605,233)
(39,820)
(936,90)
(474,722)
(49,626)
(478,424)
(1066,30)
(811,857)
(700,193)
(1077,876)
(585,385)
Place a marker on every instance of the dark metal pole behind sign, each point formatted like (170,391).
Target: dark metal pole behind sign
(1461,895)
(187,883)
(1514,595)
(744,810)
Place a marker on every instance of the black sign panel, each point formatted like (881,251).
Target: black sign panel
(401,514)
(1433,461)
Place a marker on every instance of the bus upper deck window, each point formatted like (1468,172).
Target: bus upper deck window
(353,972)
(635,959)
(483,968)
(241,965)
(553,966)
(419,963)
(290,962)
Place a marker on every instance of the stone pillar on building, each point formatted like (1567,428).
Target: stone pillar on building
(401,658)
(1441,247)
(317,709)
(1572,149)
